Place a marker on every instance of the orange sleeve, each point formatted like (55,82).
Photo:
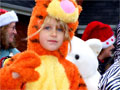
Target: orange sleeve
(23,64)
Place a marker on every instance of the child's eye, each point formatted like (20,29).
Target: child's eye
(60,29)
(47,27)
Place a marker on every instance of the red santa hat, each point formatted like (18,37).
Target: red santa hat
(7,17)
(99,31)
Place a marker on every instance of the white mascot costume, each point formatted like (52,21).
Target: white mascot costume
(84,55)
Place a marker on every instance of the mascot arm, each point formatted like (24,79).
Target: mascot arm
(14,75)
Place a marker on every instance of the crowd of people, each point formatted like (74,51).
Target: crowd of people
(43,65)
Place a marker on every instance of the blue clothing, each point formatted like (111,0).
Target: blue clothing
(4,53)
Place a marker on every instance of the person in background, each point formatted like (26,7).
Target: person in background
(110,80)
(104,33)
(7,34)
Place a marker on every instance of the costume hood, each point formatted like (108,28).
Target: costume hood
(65,10)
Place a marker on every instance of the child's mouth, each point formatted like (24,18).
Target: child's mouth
(52,41)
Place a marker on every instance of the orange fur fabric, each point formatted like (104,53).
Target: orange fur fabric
(24,64)
(31,64)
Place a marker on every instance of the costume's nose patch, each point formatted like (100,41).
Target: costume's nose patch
(67,6)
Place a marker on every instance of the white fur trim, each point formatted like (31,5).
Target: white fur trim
(108,42)
(7,18)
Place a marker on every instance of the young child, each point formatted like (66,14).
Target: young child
(43,65)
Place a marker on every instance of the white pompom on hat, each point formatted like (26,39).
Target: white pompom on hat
(7,17)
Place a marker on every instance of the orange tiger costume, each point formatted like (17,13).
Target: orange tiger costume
(40,69)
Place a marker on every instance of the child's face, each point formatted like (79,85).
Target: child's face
(51,36)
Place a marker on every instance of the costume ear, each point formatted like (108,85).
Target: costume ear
(95,45)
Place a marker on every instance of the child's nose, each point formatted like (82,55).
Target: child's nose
(54,33)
